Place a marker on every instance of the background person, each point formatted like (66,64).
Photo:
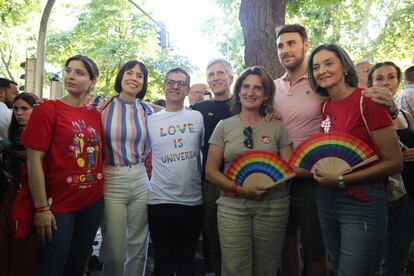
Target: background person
(406,99)
(17,257)
(219,79)
(198,93)
(8,90)
(401,225)
(362,69)
(352,207)
(65,186)
(252,220)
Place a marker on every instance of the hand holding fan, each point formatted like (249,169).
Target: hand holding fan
(333,152)
(259,167)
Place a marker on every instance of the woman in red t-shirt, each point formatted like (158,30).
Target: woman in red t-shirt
(353,207)
(63,142)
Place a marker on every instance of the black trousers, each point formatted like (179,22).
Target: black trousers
(174,231)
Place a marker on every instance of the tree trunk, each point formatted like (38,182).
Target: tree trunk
(364,22)
(258,19)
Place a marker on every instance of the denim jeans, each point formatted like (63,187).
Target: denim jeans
(354,231)
(71,243)
(400,234)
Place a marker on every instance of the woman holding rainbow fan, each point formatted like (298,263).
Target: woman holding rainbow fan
(352,207)
(251,219)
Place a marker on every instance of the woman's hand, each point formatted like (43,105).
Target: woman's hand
(44,223)
(327,180)
(382,96)
(252,192)
(408,154)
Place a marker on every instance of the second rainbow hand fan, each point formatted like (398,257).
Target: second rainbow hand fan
(333,152)
(259,167)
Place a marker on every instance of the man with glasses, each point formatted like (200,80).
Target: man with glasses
(219,79)
(175,210)
(198,93)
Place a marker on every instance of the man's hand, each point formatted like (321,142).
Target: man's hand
(382,96)
(271,114)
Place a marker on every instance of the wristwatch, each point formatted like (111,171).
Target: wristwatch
(341,182)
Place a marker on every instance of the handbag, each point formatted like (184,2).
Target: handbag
(395,188)
(22,211)
(394,184)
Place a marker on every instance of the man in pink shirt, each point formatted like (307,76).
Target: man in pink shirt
(300,110)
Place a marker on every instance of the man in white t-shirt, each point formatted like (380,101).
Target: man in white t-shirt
(175,206)
(8,90)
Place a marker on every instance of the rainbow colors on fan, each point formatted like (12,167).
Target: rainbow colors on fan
(333,152)
(259,162)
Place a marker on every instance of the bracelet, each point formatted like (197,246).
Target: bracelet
(395,114)
(234,188)
(42,209)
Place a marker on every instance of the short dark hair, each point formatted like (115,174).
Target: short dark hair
(351,76)
(268,88)
(90,65)
(379,65)
(5,83)
(160,102)
(292,28)
(127,66)
(178,70)
(409,74)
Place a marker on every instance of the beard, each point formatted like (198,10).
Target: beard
(297,62)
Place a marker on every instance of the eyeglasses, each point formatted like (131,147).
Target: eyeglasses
(366,70)
(180,84)
(203,92)
(248,141)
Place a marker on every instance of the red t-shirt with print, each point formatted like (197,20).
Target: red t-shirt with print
(345,116)
(71,139)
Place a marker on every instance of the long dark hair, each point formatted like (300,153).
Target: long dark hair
(127,66)
(351,76)
(14,128)
(15,131)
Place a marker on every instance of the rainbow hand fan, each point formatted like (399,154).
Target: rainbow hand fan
(333,152)
(259,167)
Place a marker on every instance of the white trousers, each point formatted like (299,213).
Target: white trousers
(125,224)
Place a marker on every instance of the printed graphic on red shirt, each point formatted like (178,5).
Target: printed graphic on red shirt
(86,151)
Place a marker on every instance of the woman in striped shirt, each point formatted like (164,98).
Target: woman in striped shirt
(125,225)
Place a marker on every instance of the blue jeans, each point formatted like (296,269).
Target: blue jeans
(354,231)
(71,243)
(401,231)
